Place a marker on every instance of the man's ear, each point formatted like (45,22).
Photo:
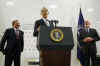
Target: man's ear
(48,12)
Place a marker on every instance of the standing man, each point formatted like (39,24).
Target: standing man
(41,22)
(14,46)
(87,38)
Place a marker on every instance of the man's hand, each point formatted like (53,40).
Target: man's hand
(85,39)
(38,29)
(88,39)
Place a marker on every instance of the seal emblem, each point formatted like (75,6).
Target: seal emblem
(57,35)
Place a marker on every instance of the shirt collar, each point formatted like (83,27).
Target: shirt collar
(15,29)
(44,19)
(87,28)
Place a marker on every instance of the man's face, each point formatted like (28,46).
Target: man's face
(44,13)
(16,25)
(87,24)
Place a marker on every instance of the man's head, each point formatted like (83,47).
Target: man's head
(44,12)
(87,24)
(16,24)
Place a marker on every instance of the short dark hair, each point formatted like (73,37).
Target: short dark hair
(43,9)
(14,21)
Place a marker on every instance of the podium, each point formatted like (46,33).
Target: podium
(55,46)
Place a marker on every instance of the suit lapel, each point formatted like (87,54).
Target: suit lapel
(14,33)
(19,33)
(88,33)
(43,23)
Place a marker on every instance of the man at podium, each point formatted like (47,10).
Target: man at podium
(54,43)
(41,22)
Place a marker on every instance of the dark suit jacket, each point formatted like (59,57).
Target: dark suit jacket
(37,24)
(40,23)
(13,45)
(92,33)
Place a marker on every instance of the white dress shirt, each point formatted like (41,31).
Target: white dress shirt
(16,31)
(46,22)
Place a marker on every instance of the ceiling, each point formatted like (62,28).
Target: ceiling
(66,11)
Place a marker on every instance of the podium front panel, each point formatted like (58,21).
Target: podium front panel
(46,43)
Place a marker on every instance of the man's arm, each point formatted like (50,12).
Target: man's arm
(80,38)
(36,29)
(3,40)
(22,42)
(96,36)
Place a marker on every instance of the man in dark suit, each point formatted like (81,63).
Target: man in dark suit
(42,22)
(87,39)
(14,46)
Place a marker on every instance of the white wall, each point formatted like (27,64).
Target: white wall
(66,11)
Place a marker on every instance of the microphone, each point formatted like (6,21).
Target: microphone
(55,22)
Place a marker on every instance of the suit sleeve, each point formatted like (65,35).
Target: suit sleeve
(22,42)
(3,40)
(80,38)
(96,36)
(35,33)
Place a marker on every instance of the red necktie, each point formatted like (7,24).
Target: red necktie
(17,34)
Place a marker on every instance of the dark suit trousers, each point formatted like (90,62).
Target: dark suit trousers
(89,54)
(9,59)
